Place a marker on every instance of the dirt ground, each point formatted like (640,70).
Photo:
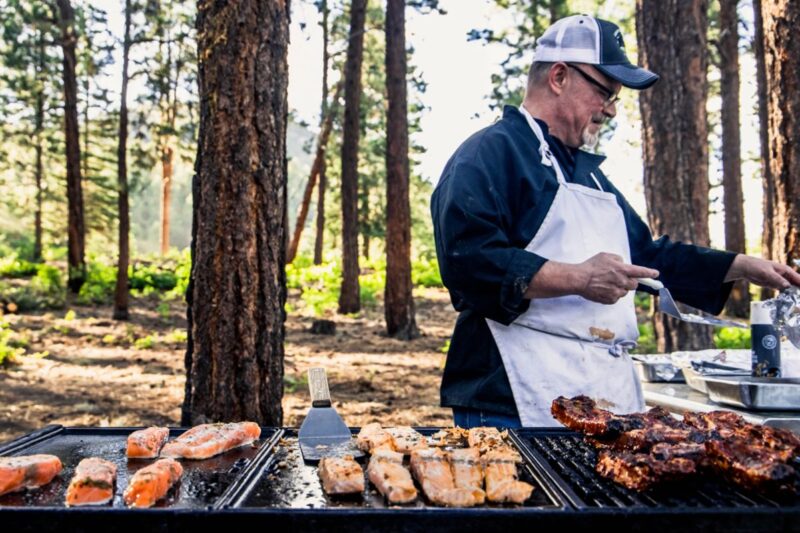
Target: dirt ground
(99,372)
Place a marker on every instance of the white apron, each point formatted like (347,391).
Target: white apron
(558,347)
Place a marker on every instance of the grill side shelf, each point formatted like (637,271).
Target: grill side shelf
(30,439)
(241,487)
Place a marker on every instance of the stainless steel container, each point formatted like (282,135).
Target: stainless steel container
(657,372)
(755,393)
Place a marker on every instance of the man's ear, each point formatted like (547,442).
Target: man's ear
(557,77)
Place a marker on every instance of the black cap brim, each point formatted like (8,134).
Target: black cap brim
(628,75)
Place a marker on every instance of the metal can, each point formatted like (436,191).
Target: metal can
(766,342)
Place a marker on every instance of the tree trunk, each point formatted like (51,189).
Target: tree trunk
(121,289)
(323,178)
(166,194)
(675,137)
(237,292)
(739,302)
(349,297)
(76,227)
(364,224)
(398,298)
(316,168)
(768,185)
(781,18)
(37,218)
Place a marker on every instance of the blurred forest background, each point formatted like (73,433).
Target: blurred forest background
(99,150)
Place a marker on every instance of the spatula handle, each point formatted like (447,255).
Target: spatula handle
(318,385)
(652,283)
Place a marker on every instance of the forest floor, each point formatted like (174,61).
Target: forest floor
(100,372)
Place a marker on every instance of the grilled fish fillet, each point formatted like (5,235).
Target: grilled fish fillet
(93,482)
(405,439)
(208,440)
(373,437)
(500,467)
(146,443)
(432,469)
(341,475)
(486,438)
(151,483)
(27,472)
(467,468)
(390,477)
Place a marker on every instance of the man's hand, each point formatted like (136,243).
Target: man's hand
(603,278)
(608,278)
(761,272)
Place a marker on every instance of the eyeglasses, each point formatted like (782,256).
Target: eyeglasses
(611,98)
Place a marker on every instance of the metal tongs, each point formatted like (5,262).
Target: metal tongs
(668,306)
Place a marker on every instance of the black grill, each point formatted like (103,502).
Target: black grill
(568,461)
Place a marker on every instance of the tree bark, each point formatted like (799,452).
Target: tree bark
(349,296)
(768,185)
(323,178)
(398,297)
(316,168)
(76,227)
(121,289)
(675,138)
(739,302)
(37,218)
(166,195)
(237,292)
(781,18)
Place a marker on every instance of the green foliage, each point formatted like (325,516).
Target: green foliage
(445,347)
(177,336)
(647,339)
(163,310)
(425,273)
(144,343)
(732,338)
(13,267)
(292,383)
(152,276)
(8,352)
(101,279)
(70,315)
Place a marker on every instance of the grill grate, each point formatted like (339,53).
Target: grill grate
(569,461)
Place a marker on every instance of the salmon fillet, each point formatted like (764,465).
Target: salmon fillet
(467,468)
(147,443)
(390,477)
(341,475)
(92,483)
(432,470)
(151,483)
(405,439)
(486,438)
(373,437)
(208,440)
(27,472)
(500,468)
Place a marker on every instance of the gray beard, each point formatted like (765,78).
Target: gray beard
(590,139)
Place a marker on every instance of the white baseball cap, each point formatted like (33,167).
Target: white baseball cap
(597,42)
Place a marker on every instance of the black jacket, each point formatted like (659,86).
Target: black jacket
(490,200)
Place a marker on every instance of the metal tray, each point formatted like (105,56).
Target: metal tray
(694,379)
(657,372)
(755,393)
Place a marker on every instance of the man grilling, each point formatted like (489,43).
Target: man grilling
(541,253)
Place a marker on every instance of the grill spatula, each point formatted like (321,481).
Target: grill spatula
(323,432)
(668,306)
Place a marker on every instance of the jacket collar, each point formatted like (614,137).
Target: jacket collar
(585,162)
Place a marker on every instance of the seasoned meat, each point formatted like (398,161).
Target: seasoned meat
(341,475)
(405,439)
(486,438)
(390,477)
(432,470)
(146,443)
(502,485)
(92,483)
(208,440)
(640,471)
(582,414)
(373,437)
(27,472)
(750,465)
(151,483)
(467,468)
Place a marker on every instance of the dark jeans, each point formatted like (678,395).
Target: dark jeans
(470,418)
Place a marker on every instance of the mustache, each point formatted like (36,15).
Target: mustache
(599,118)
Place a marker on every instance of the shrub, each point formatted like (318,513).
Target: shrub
(13,267)
(145,343)
(101,279)
(177,336)
(732,338)
(8,352)
(647,339)
(425,273)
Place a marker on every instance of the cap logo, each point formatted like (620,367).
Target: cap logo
(618,37)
